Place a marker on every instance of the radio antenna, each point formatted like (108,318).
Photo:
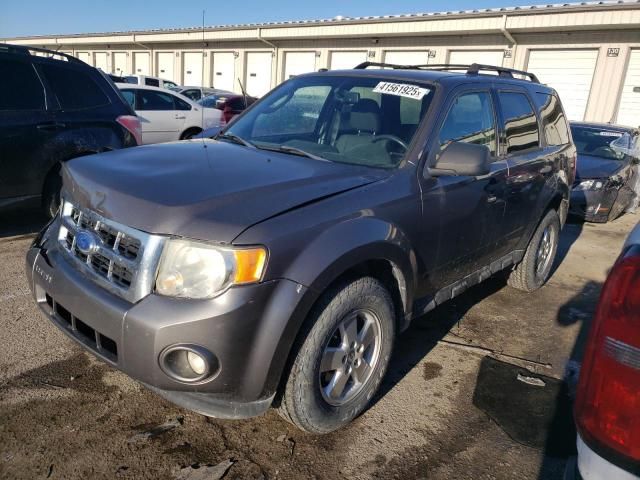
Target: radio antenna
(204,145)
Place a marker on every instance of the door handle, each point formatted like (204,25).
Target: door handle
(50,126)
(180,117)
(491,199)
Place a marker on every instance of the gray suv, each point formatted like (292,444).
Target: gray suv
(276,263)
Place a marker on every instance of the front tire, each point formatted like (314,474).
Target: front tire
(342,357)
(536,265)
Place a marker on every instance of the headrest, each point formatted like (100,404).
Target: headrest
(365,116)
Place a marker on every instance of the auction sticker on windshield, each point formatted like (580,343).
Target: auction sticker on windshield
(401,90)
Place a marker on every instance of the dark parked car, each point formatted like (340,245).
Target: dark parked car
(231,104)
(53,109)
(607,177)
(277,263)
(607,409)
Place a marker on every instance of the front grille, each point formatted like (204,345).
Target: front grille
(89,336)
(119,258)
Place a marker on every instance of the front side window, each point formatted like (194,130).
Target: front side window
(152,100)
(74,88)
(520,122)
(354,120)
(20,88)
(470,120)
(556,131)
(181,104)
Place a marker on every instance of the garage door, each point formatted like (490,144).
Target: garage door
(120,63)
(258,81)
(166,61)
(224,70)
(485,57)
(101,61)
(141,63)
(629,109)
(570,72)
(85,57)
(192,69)
(296,63)
(347,60)
(399,57)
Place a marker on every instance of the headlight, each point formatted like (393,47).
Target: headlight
(589,185)
(198,270)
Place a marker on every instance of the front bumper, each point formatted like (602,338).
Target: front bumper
(243,328)
(590,466)
(593,206)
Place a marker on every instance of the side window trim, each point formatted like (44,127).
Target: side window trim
(501,122)
(444,113)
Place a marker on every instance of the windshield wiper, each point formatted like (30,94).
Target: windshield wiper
(293,151)
(235,138)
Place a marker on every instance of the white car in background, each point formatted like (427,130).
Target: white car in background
(167,116)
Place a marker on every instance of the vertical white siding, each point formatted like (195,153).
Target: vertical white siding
(120,63)
(165,65)
(486,57)
(341,60)
(629,107)
(192,69)
(141,63)
(296,63)
(223,70)
(258,74)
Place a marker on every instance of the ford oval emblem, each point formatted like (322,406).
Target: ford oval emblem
(86,242)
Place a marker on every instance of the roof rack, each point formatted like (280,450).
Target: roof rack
(473,69)
(7,47)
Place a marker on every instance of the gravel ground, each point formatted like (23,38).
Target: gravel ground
(64,414)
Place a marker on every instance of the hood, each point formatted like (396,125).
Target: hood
(209,190)
(597,167)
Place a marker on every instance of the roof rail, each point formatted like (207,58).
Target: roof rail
(7,47)
(473,69)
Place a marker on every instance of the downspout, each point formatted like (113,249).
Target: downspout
(275,53)
(509,37)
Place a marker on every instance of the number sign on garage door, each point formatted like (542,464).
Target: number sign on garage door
(120,63)
(192,69)
(165,65)
(258,73)
(296,63)
(347,60)
(485,57)
(224,70)
(101,61)
(570,72)
(629,108)
(399,57)
(141,63)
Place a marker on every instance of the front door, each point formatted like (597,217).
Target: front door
(160,118)
(461,214)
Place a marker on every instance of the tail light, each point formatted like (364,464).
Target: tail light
(608,398)
(227,114)
(133,126)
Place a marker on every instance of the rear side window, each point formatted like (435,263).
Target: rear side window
(74,89)
(470,120)
(20,87)
(152,100)
(520,123)
(554,124)
(152,82)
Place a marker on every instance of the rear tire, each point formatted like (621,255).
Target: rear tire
(341,358)
(536,265)
(51,193)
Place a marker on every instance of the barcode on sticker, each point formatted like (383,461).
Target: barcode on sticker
(610,134)
(401,90)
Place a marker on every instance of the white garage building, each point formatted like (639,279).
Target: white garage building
(589,52)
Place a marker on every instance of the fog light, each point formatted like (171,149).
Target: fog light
(197,363)
(189,363)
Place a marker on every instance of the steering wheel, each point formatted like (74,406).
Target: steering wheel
(393,138)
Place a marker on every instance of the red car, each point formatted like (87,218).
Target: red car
(231,105)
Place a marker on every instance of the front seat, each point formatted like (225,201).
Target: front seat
(360,127)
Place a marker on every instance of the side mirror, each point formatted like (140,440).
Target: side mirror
(463,159)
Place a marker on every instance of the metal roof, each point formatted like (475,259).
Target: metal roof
(338,20)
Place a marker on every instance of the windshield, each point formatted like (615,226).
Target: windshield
(358,120)
(601,142)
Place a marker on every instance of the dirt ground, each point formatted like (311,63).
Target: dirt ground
(64,414)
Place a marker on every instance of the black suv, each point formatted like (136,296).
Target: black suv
(277,262)
(53,107)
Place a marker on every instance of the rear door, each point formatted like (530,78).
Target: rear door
(161,121)
(26,126)
(462,214)
(531,165)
